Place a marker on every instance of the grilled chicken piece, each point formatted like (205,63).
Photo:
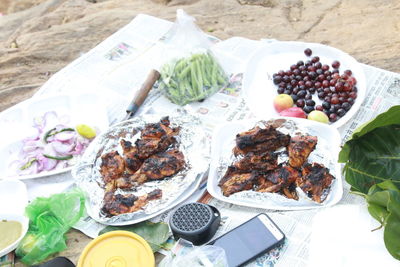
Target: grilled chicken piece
(159,129)
(159,166)
(260,140)
(290,191)
(280,180)
(132,159)
(315,181)
(236,180)
(112,166)
(132,163)
(300,148)
(228,174)
(119,204)
(263,162)
(156,137)
(150,146)
(127,147)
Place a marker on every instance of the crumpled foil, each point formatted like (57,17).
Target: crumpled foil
(322,155)
(193,143)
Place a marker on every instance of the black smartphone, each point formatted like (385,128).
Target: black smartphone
(249,240)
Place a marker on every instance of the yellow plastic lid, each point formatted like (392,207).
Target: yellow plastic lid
(117,249)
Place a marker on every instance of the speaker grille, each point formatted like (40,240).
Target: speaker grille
(191,217)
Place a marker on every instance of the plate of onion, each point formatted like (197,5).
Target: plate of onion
(44,136)
(316,77)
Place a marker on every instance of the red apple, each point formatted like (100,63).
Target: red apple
(282,102)
(293,112)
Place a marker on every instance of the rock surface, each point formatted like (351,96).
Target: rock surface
(39,37)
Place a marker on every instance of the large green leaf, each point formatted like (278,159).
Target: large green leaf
(391,236)
(374,158)
(154,233)
(384,202)
(392,116)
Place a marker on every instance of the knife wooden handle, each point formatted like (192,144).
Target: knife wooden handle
(143,92)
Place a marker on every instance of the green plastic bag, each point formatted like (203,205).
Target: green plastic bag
(49,220)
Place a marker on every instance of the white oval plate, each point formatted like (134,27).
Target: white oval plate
(221,147)
(16,124)
(259,89)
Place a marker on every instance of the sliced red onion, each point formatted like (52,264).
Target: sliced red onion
(35,143)
(30,146)
(79,148)
(84,141)
(62,148)
(50,118)
(35,137)
(49,150)
(65,136)
(33,169)
(61,144)
(38,124)
(62,164)
(59,127)
(49,164)
(28,149)
(40,163)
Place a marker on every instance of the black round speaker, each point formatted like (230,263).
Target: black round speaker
(195,222)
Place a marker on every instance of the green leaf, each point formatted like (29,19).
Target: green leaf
(378,212)
(154,233)
(391,116)
(384,205)
(391,236)
(374,158)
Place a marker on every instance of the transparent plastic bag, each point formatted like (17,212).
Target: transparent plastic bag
(190,72)
(49,220)
(184,254)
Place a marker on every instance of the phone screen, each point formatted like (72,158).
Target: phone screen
(250,239)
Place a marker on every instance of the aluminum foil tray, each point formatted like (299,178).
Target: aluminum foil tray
(193,142)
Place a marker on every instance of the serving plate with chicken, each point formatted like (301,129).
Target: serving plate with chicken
(142,167)
(282,164)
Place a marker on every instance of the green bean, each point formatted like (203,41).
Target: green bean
(180,64)
(194,81)
(203,71)
(184,72)
(199,78)
(221,80)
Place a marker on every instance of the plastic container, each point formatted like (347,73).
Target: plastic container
(259,90)
(117,249)
(327,149)
(13,200)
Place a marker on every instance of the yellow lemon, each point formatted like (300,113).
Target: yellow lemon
(86,131)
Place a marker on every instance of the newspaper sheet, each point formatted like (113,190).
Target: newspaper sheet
(121,63)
